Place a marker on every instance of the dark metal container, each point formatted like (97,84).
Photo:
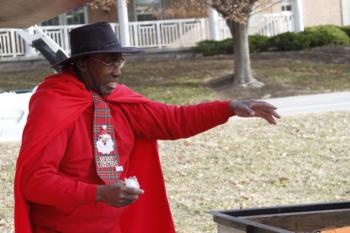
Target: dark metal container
(283,219)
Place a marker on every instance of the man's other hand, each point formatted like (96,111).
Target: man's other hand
(254,108)
(117,194)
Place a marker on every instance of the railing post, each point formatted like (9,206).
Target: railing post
(29,50)
(135,30)
(159,38)
(131,35)
(66,47)
(181,32)
(203,29)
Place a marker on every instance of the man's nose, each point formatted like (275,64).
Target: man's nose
(117,71)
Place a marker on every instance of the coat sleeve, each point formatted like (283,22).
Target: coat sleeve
(155,120)
(43,183)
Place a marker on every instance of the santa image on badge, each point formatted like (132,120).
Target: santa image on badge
(104,143)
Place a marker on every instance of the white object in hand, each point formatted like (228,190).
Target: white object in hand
(132,182)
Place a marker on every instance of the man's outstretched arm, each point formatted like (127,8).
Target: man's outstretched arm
(160,121)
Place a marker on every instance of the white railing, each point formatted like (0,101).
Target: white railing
(11,44)
(271,24)
(151,34)
(166,33)
(263,24)
(60,34)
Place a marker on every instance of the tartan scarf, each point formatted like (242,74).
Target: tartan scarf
(105,147)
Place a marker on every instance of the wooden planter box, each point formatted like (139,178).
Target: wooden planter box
(284,219)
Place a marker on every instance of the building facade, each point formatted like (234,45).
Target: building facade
(328,12)
(138,10)
(320,12)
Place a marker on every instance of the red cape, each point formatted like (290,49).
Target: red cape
(59,101)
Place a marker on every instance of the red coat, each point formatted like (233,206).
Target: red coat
(55,183)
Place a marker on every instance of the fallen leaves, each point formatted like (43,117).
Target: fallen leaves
(242,164)
(247,163)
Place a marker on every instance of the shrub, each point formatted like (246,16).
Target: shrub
(206,47)
(225,46)
(211,47)
(346,29)
(311,37)
(288,41)
(326,35)
(257,43)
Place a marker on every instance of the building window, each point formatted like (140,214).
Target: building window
(50,22)
(148,9)
(77,16)
(287,7)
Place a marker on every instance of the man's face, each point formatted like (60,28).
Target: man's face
(100,72)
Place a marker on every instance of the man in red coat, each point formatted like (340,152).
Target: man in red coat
(86,133)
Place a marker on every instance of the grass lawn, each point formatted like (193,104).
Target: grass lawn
(179,81)
(249,164)
(244,163)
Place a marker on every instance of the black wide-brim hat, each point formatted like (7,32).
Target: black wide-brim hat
(94,38)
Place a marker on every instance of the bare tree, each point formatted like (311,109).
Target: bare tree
(105,5)
(180,9)
(236,14)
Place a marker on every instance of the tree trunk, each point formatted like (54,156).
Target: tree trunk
(242,67)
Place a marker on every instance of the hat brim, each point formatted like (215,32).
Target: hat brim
(111,51)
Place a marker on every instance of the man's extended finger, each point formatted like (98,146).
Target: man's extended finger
(273,113)
(263,104)
(248,111)
(124,203)
(133,190)
(268,117)
(133,197)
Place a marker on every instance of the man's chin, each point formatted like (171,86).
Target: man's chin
(108,90)
(112,85)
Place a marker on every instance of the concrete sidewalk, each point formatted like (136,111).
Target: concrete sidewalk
(13,109)
(335,101)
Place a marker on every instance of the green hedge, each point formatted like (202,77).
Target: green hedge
(346,29)
(288,41)
(326,35)
(311,37)
(257,43)
(210,47)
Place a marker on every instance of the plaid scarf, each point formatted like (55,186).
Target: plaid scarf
(106,155)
